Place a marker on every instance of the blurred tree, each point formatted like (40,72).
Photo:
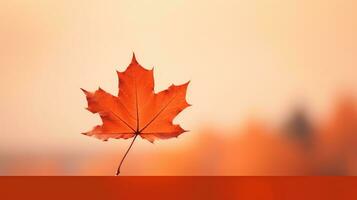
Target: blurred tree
(299,127)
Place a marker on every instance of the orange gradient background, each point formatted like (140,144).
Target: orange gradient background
(273,85)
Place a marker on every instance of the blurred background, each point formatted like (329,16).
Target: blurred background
(273,85)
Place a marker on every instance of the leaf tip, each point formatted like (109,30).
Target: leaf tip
(86,133)
(85,91)
(133,59)
(186,84)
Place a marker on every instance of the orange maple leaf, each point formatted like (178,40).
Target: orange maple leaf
(137,110)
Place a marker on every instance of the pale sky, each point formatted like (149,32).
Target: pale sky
(244,58)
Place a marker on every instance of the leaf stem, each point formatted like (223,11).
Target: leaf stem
(126,153)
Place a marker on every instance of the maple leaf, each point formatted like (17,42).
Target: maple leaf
(137,109)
